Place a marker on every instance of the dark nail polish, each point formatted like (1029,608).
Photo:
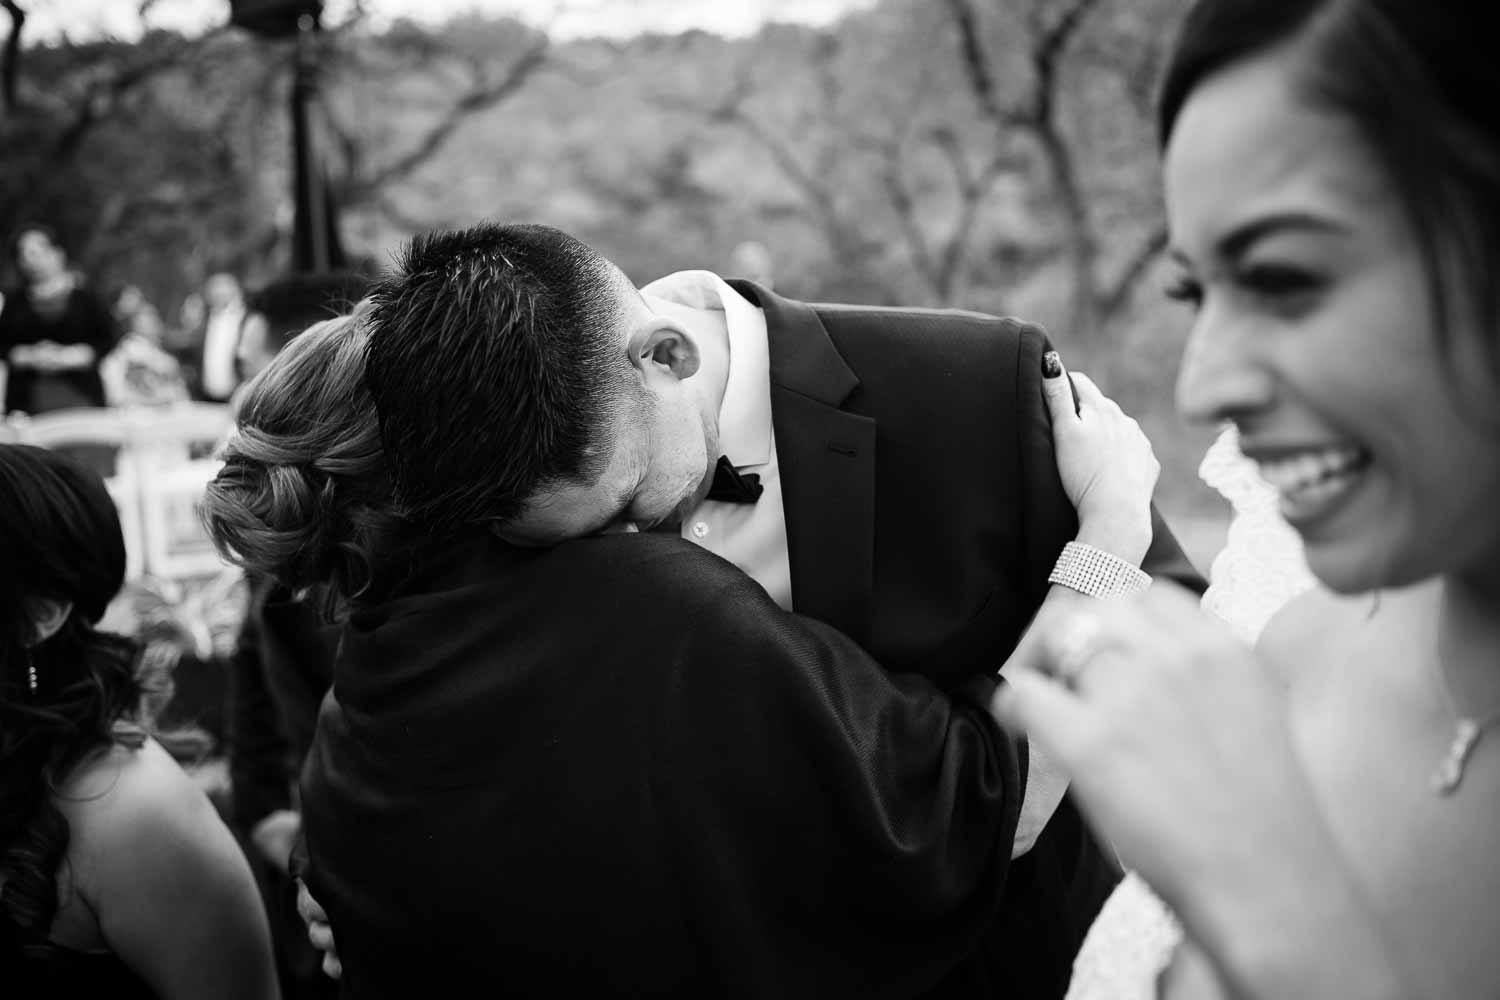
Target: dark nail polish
(1051,365)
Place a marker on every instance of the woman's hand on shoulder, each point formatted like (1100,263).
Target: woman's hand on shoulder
(1105,461)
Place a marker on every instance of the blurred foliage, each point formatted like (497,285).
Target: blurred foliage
(986,154)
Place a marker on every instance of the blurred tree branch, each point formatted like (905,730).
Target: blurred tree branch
(816,186)
(104,93)
(386,205)
(1095,300)
(1113,298)
(481,91)
(11,70)
(1036,117)
(942,261)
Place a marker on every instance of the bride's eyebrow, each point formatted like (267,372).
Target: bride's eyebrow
(1234,244)
(1237,241)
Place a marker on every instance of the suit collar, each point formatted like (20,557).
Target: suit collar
(827,460)
(803,358)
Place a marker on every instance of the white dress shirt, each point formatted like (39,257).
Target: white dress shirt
(752,536)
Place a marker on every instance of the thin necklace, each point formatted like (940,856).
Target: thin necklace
(1466,733)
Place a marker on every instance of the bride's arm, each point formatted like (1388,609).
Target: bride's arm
(1108,472)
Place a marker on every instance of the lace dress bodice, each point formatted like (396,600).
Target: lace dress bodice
(1260,569)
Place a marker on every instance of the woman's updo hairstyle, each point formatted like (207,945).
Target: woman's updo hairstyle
(304,497)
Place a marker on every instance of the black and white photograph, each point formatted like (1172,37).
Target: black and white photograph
(885,499)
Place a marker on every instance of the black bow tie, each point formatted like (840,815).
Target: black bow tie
(734,487)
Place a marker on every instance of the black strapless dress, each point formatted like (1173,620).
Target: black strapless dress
(45,970)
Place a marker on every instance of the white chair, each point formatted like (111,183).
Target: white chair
(162,443)
(177,546)
(87,425)
(171,434)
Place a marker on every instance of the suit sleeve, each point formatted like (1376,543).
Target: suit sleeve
(257,746)
(827,816)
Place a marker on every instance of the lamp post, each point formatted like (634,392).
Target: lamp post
(315,242)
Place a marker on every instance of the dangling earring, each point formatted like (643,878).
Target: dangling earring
(30,670)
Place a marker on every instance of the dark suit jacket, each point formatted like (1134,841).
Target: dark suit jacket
(924,513)
(281,668)
(617,768)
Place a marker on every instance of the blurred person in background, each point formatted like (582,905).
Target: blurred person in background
(284,308)
(54,331)
(117,876)
(283,660)
(1321,812)
(139,371)
(217,337)
(134,313)
(184,336)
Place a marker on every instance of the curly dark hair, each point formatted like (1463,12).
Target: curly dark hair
(60,541)
(304,497)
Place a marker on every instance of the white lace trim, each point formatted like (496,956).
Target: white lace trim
(1261,567)
(1128,947)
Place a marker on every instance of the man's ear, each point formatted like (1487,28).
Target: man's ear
(47,616)
(660,342)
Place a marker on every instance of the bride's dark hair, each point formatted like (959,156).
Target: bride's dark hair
(304,497)
(60,542)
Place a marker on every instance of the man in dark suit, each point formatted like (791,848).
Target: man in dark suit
(924,513)
(909,495)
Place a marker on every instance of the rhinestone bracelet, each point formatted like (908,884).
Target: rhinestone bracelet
(1094,572)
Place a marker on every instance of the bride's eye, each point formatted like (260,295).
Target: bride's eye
(1284,288)
(1185,288)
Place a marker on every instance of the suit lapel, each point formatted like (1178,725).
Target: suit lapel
(827,460)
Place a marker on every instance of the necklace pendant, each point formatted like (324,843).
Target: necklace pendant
(1450,771)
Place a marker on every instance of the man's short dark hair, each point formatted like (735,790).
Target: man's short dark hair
(496,365)
(292,304)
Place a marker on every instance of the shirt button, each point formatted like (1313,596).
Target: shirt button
(700,529)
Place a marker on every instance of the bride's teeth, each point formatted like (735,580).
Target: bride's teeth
(1310,475)
(1308,468)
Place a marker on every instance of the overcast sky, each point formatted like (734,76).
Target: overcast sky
(80,19)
